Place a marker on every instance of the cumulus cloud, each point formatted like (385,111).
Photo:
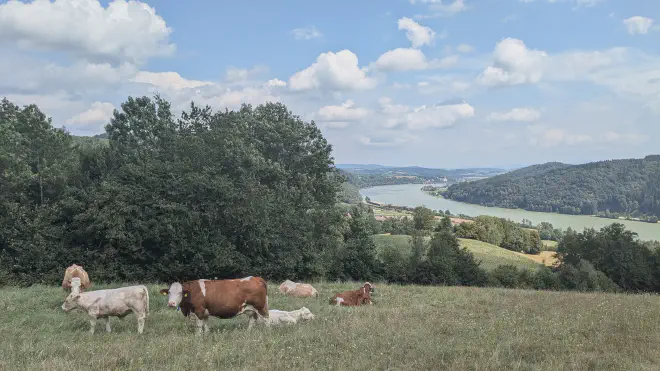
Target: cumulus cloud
(578,3)
(333,71)
(514,64)
(517,114)
(551,137)
(465,48)
(27,75)
(306,33)
(438,8)
(234,74)
(438,116)
(424,117)
(417,34)
(340,116)
(638,25)
(386,139)
(98,113)
(409,59)
(167,80)
(122,31)
(276,83)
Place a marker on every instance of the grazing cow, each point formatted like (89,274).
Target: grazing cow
(354,297)
(277,317)
(74,271)
(302,290)
(109,303)
(219,298)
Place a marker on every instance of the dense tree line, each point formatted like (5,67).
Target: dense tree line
(501,232)
(206,194)
(349,193)
(628,187)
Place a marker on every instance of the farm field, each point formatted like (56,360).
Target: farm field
(408,327)
(490,255)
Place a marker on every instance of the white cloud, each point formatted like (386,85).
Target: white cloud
(387,139)
(552,136)
(306,33)
(417,34)
(514,64)
(167,80)
(123,31)
(638,25)
(234,74)
(437,8)
(276,83)
(465,48)
(517,114)
(30,75)
(578,3)
(409,59)
(423,117)
(338,116)
(98,113)
(333,71)
(438,116)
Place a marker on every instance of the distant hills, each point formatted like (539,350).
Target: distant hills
(627,187)
(371,175)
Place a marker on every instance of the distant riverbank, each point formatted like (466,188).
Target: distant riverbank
(437,192)
(411,195)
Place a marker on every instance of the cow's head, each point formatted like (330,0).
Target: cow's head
(364,297)
(369,287)
(71,301)
(306,313)
(175,294)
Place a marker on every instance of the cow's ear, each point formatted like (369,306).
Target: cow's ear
(186,293)
(164,291)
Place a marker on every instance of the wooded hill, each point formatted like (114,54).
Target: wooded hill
(627,187)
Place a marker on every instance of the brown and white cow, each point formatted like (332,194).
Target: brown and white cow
(109,303)
(296,289)
(354,297)
(74,271)
(219,298)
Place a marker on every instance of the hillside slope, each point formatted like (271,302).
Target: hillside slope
(622,187)
(407,328)
(490,255)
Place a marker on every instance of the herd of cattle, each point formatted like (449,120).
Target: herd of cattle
(198,300)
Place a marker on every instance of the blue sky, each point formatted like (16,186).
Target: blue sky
(452,83)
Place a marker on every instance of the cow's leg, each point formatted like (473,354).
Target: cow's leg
(92,323)
(140,321)
(206,325)
(107,324)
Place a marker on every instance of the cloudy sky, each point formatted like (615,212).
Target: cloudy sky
(449,83)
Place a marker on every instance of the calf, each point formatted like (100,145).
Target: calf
(75,271)
(109,303)
(219,298)
(296,289)
(353,297)
(277,317)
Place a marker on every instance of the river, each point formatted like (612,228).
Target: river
(411,195)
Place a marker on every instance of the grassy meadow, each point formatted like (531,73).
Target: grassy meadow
(407,328)
(490,255)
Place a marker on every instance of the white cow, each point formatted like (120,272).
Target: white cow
(109,303)
(276,317)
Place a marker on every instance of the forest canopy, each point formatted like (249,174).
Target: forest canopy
(629,187)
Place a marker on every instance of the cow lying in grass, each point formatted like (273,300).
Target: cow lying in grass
(354,297)
(109,303)
(219,298)
(296,289)
(277,317)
